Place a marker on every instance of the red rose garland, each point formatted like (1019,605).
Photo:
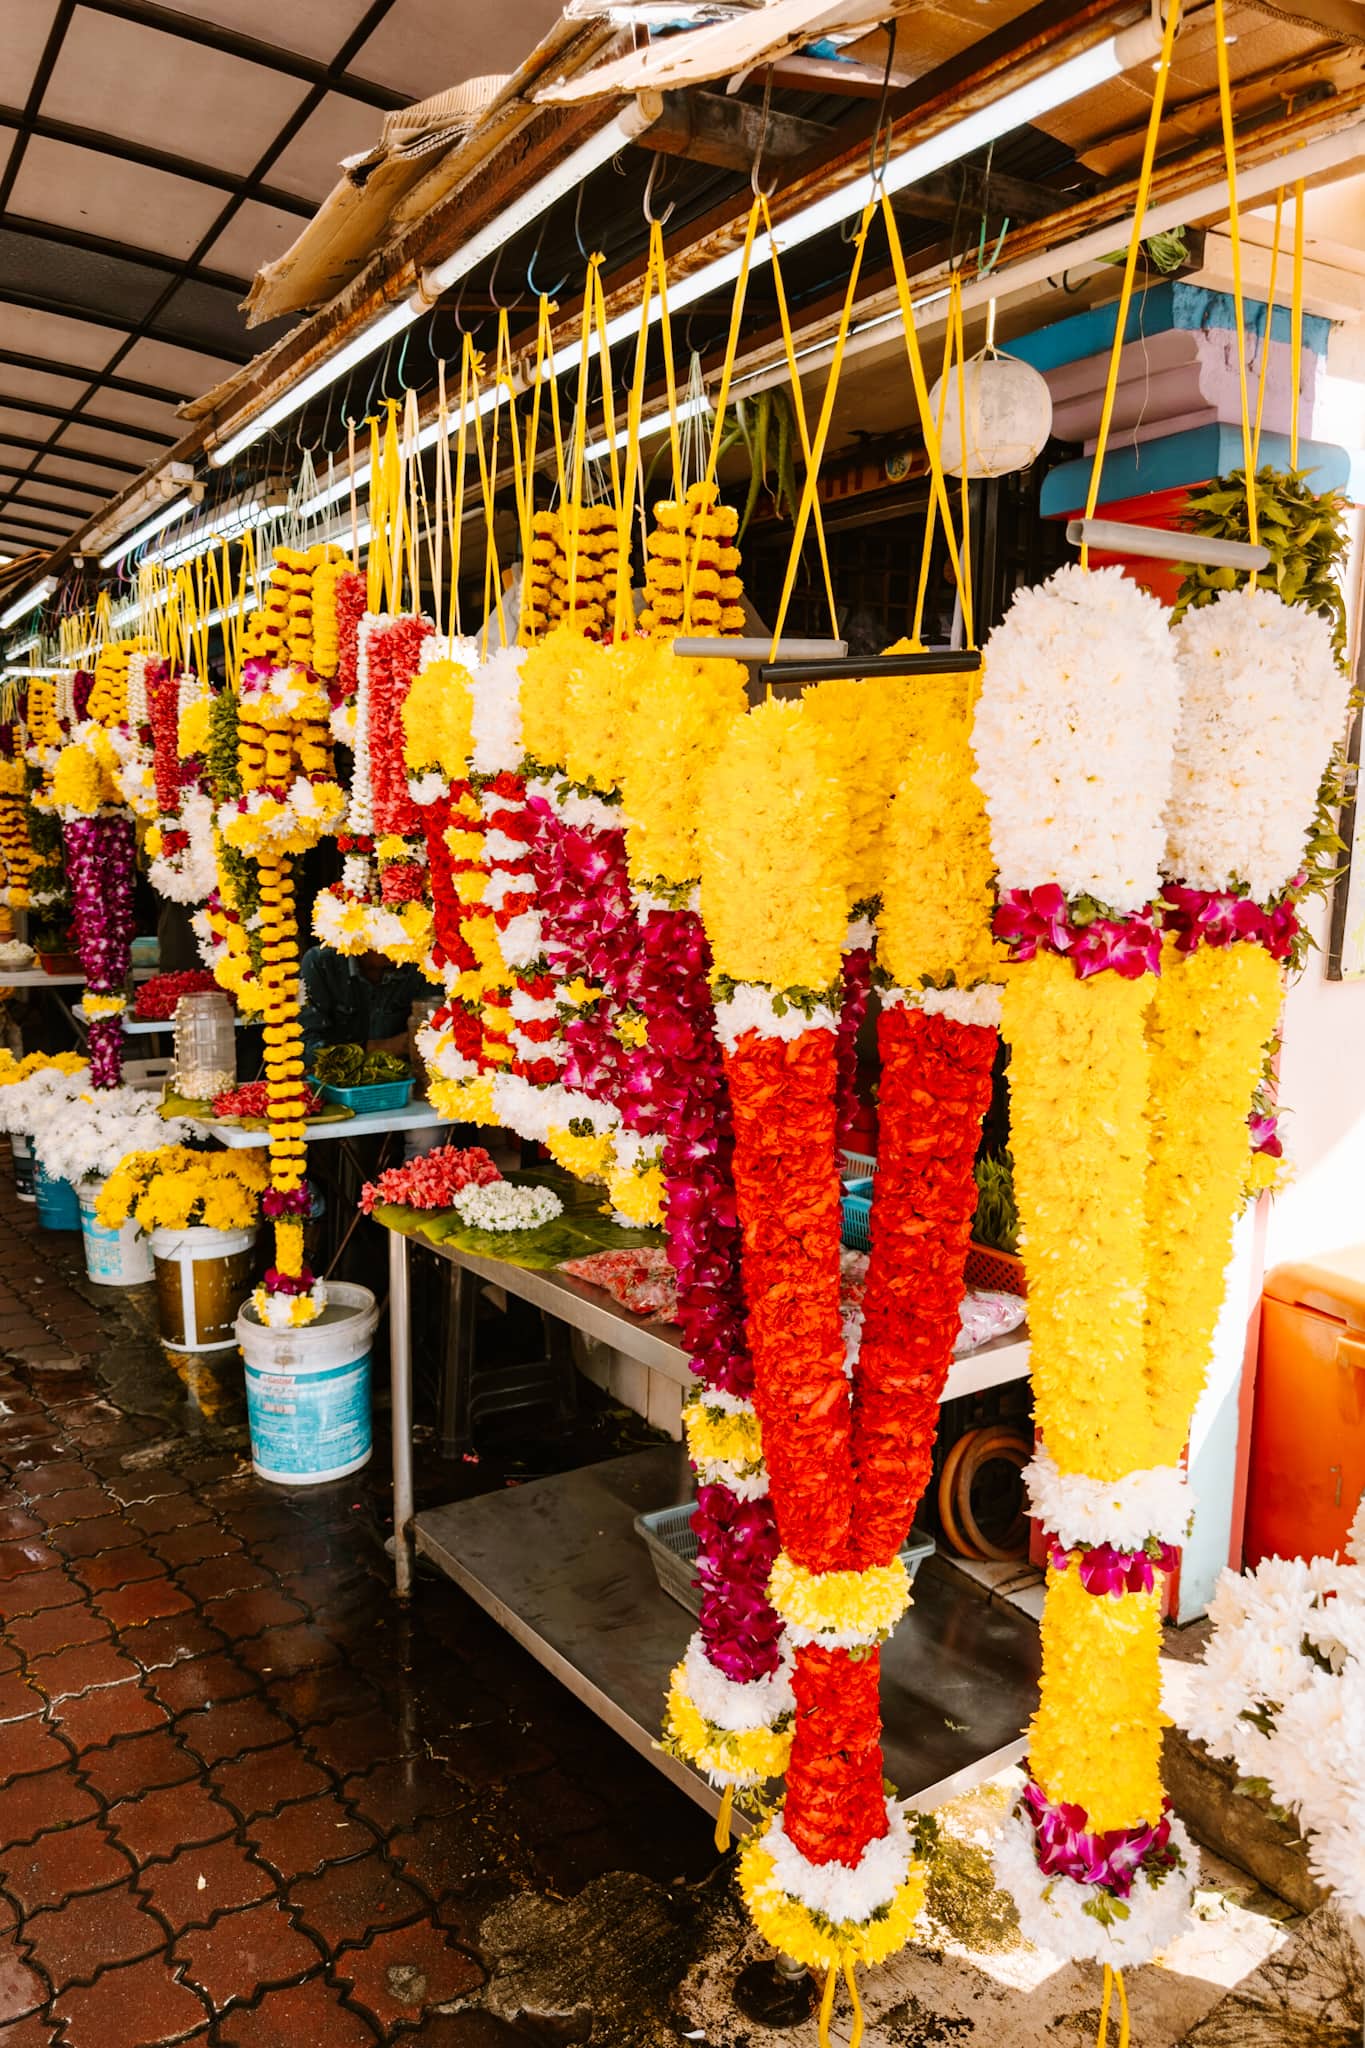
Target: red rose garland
(935,1091)
(394,656)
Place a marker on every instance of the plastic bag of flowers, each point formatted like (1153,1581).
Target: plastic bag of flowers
(173,1187)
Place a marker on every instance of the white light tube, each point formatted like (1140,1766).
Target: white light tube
(21,675)
(145,531)
(25,646)
(326,374)
(29,601)
(1117,536)
(657,423)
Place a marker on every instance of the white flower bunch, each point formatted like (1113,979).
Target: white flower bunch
(25,1106)
(1073,737)
(1263,703)
(502,1205)
(752,1008)
(1082,1513)
(191,875)
(87,1133)
(1281,1692)
(496,721)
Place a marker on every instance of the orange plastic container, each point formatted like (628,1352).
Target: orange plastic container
(1307,1468)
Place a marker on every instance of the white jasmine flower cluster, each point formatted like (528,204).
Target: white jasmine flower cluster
(502,1205)
(752,1008)
(496,690)
(1073,737)
(1083,1513)
(1263,703)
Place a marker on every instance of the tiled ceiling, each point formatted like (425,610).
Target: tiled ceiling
(153,154)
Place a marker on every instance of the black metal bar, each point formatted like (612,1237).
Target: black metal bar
(120,252)
(208,35)
(42,409)
(100,492)
(931,661)
(48,130)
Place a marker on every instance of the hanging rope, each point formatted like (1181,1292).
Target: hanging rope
(1269,328)
(1144,187)
(799,408)
(722,401)
(1296,327)
(1235,236)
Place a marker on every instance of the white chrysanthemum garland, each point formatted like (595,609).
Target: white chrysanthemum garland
(1281,1692)
(1081,701)
(1083,1513)
(1263,701)
(189,875)
(737,1733)
(502,1205)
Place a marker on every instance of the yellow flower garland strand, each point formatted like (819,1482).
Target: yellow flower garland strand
(1095,1740)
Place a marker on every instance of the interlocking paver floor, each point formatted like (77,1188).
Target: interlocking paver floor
(245,1800)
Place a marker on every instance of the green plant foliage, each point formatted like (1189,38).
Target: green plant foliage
(1304,530)
(350,1066)
(997,1217)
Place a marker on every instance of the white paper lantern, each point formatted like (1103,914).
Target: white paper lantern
(1008,415)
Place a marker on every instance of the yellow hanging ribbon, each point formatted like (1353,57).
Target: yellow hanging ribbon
(1144,187)
(1269,326)
(1235,237)
(1113,1980)
(1296,326)
(964,581)
(822,429)
(727,1802)
(570,510)
(623,610)
(799,409)
(827,2003)
(722,401)
(492,576)
(468,395)
(608,402)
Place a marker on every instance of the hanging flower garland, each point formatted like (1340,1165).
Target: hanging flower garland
(16,847)
(101,860)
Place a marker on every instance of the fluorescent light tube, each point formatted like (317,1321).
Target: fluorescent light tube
(657,423)
(326,374)
(25,646)
(29,601)
(176,510)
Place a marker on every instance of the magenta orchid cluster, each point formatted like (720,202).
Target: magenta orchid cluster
(1112,1860)
(736,1540)
(857,987)
(277,1282)
(101,864)
(1106,1570)
(1264,1126)
(277,1202)
(1031,921)
(1213,917)
(590,928)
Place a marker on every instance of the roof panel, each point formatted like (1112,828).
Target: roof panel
(44,385)
(43,488)
(196,102)
(105,195)
(126,405)
(82,472)
(31,333)
(312,28)
(423,46)
(182,371)
(33,268)
(30,426)
(99,441)
(255,235)
(339,127)
(28,23)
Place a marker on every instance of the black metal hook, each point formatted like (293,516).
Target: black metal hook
(647,203)
(540,291)
(764,191)
(577,225)
(497,306)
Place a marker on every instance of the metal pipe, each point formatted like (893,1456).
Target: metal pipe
(742,649)
(928,661)
(1118,537)
(400,1411)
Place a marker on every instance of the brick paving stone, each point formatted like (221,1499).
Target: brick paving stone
(129,1607)
(136,1764)
(267,1779)
(56,1628)
(448,1854)
(199,1682)
(309,2013)
(74,1942)
(29,2033)
(50,1799)
(285,1652)
(247,1614)
(173,1817)
(88,1539)
(30,1746)
(117,1568)
(18,1699)
(218,1576)
(195,1544)
(217,1733)
(23,1562)
(169,1511)
(73,1670)
(22,1990)
(172,1637)
(302,1837)
(490,1752)
(399,1793)
(398,1974)
(193,1887)
(350,1900)
(90,1720)
(359,1740)
(139,2005)
(322,1695)
(16,1523)
(149,1484)
(472,2029)
(60,1864)
(237,1955)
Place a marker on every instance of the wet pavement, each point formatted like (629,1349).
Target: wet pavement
(245,1799)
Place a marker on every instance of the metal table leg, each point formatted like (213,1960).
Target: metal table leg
(400,1379)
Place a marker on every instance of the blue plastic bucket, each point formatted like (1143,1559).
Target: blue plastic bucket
(308,1390)
(58,1208)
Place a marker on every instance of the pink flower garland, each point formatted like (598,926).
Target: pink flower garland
(1041,919)
(432,1180)
(101,864)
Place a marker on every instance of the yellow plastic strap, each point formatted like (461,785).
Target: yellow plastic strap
(822,429)
(1102,2036)
(656,242)
(965,561)
(561,479)
(492,578)
(374,574)
(468,394)
(350,478)
(1144,187)
(623,614)
(1296,327)
(827,2004)
(571,509)
(799,408)
(926,555)
(851,1979)
(1220,44)
(931,429)
(438,524)
(505,369)
(1269,328)
(608,402)
(727,1801)
(410,469)
(722,401)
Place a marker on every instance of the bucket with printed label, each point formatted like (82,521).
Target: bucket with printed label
(308,1390)
(202,1278)
(21,1152)
(58,1208)
(114,1257)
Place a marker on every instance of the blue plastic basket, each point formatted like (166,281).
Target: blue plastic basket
(377,1095)
(856,1209)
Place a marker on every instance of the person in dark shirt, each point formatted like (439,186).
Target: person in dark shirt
(357,1000)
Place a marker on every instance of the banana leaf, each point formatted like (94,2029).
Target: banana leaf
(584,1227)
(200,1110)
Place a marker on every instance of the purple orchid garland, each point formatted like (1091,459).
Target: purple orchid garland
(101,862)
(1112,1860)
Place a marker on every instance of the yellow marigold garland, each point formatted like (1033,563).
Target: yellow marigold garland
(682,713)
(1212,1014)
(437,720)
(1095,1740)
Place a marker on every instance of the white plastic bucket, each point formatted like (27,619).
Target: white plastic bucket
(21,1152)
(113,1258)
(202,1278)
(308,1390)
